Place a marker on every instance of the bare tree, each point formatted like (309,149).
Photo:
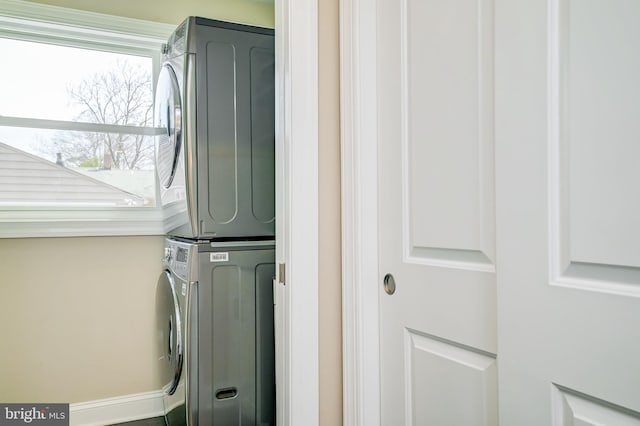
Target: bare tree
(121,95)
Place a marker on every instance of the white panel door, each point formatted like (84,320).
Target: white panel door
(567,76)
(436,212)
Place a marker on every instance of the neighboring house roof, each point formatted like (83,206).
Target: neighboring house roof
(26,179)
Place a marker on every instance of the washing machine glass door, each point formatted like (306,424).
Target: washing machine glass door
(168,115)
(169,329)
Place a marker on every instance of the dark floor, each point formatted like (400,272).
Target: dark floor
(155,421)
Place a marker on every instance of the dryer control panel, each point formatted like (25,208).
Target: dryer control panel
(176,258)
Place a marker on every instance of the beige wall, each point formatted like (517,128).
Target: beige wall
(173,12)
(76,327)
(330,288)
(77,317)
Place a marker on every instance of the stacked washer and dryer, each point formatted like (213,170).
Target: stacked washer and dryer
(216,167)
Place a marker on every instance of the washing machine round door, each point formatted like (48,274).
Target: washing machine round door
(169,329)
(168,116)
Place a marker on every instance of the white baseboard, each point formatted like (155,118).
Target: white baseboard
(119,409)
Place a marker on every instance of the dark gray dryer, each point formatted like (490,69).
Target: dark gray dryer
(216,162)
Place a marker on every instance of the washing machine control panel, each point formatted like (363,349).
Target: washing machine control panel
(182,254)
(176,257)
(168,255)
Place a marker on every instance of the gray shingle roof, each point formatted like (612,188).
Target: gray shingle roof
(26,179)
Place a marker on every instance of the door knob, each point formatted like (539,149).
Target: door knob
(389,284)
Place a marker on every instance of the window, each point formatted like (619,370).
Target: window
(76,122)
(74,167)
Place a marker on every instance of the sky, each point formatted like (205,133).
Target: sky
(33,83)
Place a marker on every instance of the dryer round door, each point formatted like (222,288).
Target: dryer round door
(168,116)
(169,329)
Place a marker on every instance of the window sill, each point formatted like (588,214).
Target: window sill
(32,223)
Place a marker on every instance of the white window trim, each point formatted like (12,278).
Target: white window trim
(40,21)
(57,25)
(37,123)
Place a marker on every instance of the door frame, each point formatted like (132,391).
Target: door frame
(360,290)
(296,74)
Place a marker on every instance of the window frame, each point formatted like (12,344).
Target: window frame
(41,23)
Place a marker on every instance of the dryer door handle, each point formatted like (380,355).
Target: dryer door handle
(170,338)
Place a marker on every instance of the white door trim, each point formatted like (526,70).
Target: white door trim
(360,316)
(296,50)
